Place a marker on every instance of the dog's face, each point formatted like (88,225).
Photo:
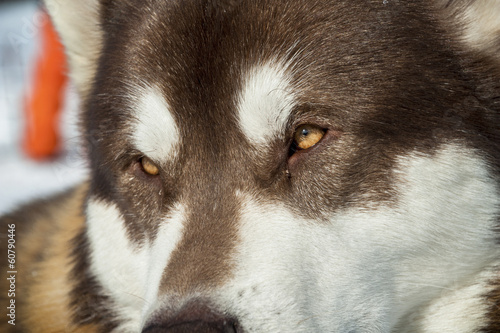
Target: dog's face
(280,166)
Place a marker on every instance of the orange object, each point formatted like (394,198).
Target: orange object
(43,105)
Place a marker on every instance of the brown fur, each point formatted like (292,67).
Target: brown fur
(493,298)
(337,81)
(387,78)
(44,234)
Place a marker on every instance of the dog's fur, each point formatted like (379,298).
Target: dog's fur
(388,224)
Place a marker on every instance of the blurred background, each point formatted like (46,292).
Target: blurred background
(40,150)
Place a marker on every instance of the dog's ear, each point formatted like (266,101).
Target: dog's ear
(78,24)
(477,22)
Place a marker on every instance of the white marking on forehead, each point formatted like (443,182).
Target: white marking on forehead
(482,25)
(131,274)
(155,132)
(265,102)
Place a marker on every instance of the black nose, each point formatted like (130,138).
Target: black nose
(194,327)
(193,318)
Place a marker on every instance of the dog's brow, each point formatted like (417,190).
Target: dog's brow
(155,132)
(265,103)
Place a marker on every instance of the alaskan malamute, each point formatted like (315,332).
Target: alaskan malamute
(272,166)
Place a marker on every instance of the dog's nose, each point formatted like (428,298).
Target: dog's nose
(194,327)
(193,318)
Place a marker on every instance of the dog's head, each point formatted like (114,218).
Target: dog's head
(283,166)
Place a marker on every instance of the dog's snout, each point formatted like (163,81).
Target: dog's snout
(194,318)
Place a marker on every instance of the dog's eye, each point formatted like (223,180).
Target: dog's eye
(307,136)
(149,167)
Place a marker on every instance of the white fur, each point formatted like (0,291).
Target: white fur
(368,269)
(82,38)
(169,236)
(460,309)
(482,23)
(415,265)
(131,274)
(478,22)
(155,132)
(265,102)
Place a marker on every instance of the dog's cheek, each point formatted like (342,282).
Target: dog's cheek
(141,202)
(142,197)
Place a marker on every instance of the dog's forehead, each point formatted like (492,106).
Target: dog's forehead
(196,69)
(201,55)
(262,110)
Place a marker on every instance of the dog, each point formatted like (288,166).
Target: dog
(271,166)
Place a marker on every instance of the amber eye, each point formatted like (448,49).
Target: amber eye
(307,136)
(149,167)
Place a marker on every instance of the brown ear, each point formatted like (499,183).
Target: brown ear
(477,21)
(78,25)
